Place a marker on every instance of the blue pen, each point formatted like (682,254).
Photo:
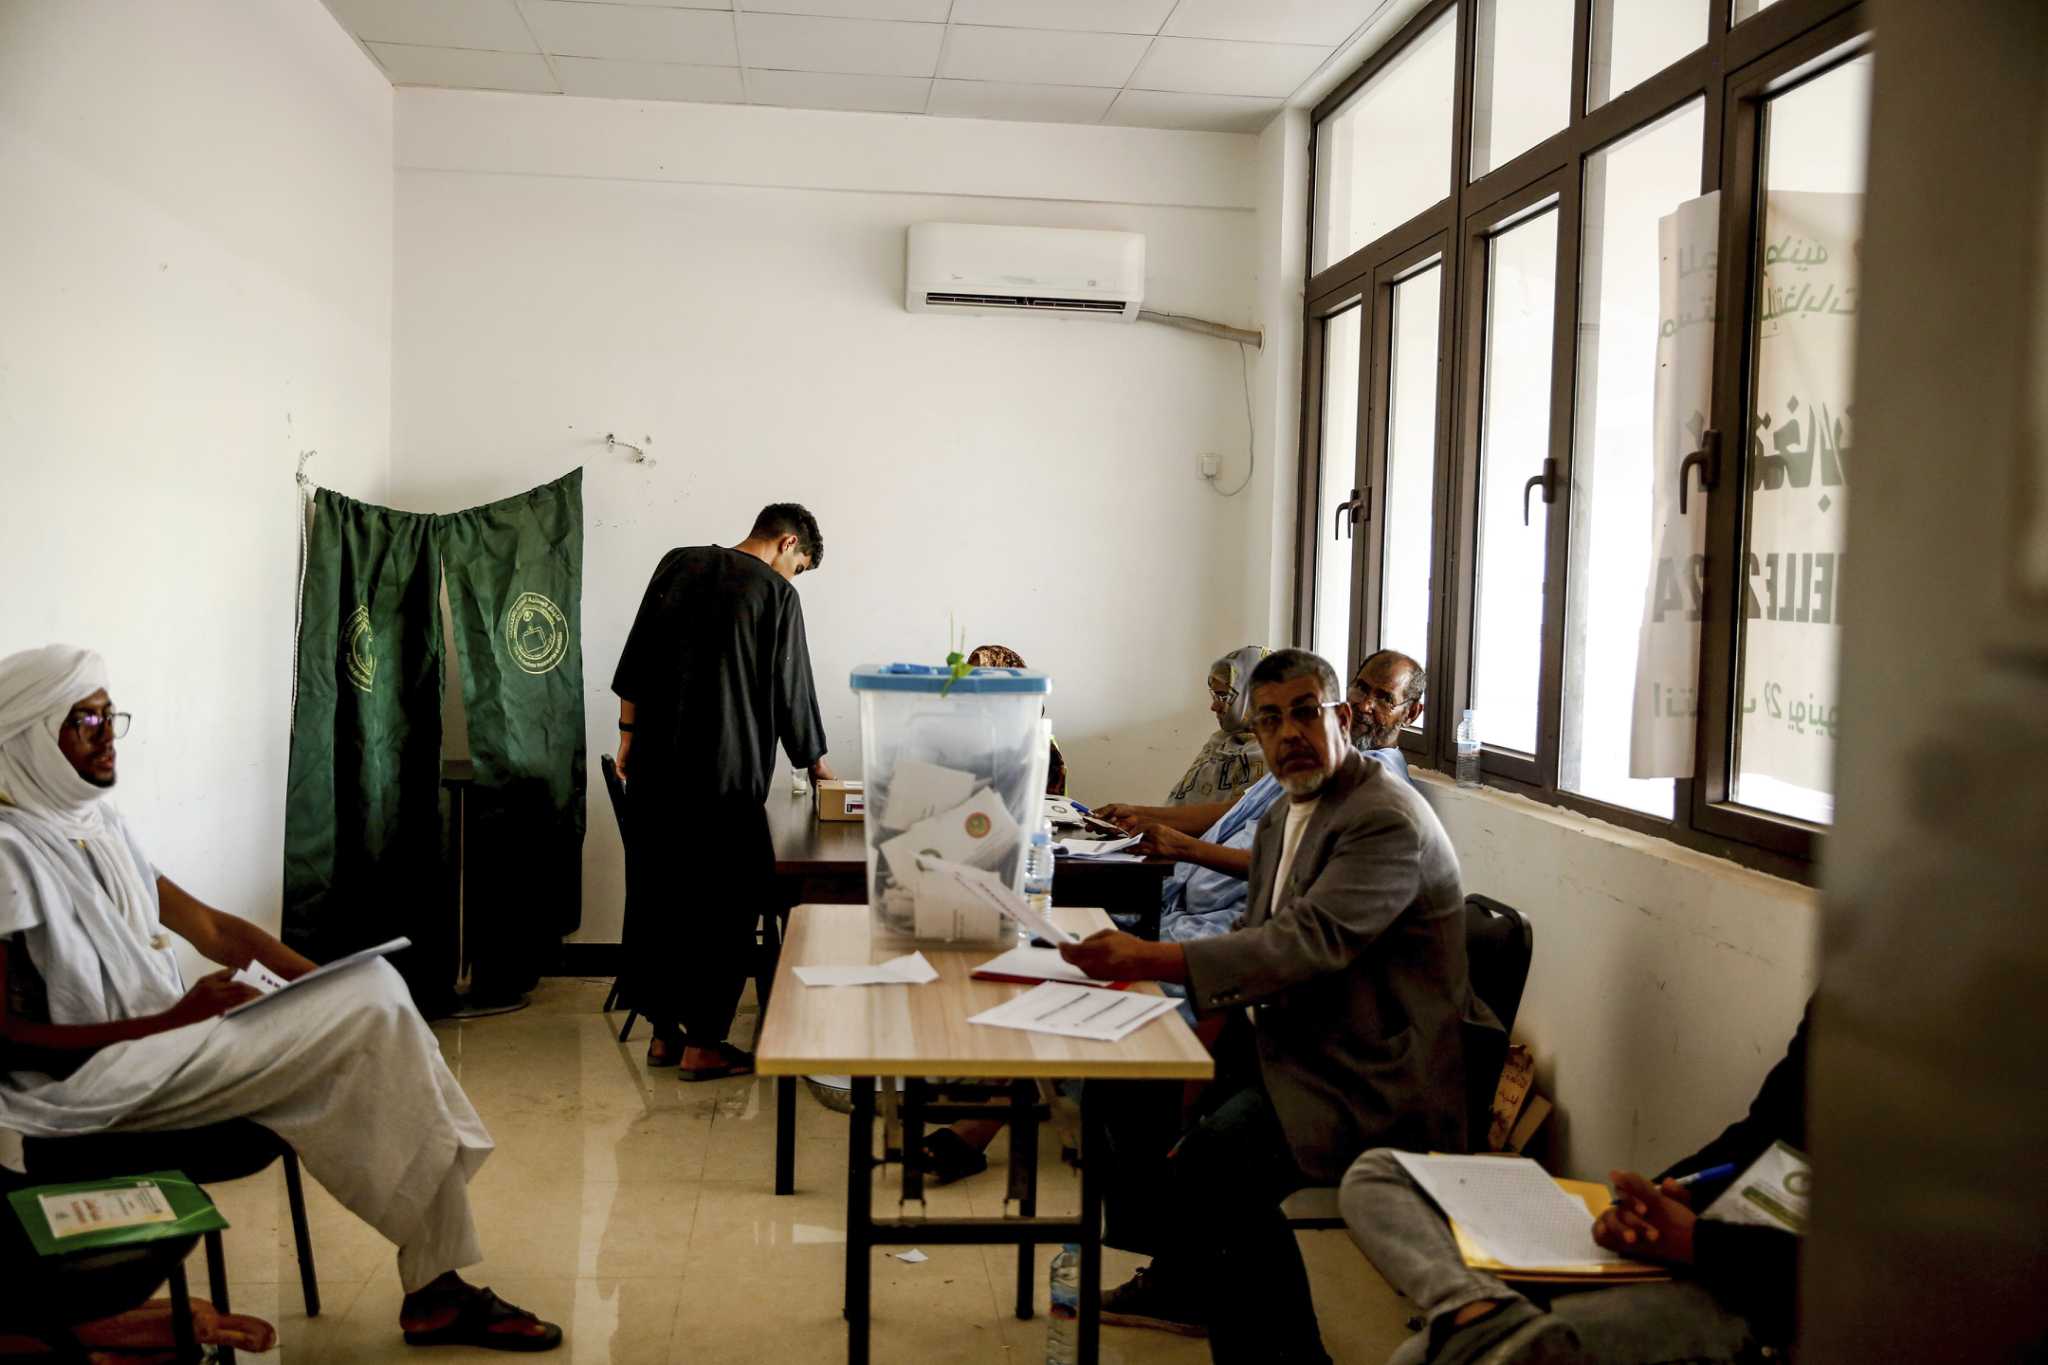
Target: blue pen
(1706,1177)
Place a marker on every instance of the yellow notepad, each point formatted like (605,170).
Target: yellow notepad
(1596,1199)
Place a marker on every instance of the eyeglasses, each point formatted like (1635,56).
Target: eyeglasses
(91,724)
(1377,696)
(1269,721)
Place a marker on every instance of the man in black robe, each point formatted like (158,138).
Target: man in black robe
(715,672)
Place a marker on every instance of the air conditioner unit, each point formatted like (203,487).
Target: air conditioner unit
(972,268)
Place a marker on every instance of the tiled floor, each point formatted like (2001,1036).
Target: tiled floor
(637,1211)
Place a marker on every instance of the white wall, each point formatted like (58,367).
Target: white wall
(728,282)
(1665,982)
(195,285)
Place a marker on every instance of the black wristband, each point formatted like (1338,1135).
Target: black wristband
(626,726)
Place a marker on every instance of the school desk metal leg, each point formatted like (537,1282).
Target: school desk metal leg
(1024,1183)
(785,1134)
(860,1177)
(1088,1338)
(184,1337)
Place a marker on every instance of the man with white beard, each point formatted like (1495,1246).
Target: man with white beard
(99,1032)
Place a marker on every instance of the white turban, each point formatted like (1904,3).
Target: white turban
(38,688)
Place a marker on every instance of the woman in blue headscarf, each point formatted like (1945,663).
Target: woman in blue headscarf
(1231,760)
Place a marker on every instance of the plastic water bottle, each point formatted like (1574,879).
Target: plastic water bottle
(1038,867)
(799,783)
(1468,750)
(1062,1344)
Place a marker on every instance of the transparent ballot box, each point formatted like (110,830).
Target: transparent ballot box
(955,770)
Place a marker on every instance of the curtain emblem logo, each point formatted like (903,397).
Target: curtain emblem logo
(360,655)
(536,633)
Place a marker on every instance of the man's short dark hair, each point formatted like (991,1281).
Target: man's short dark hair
(1285,665)
(1417,679)
(779,519)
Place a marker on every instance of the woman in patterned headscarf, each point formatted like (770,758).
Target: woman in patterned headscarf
(1002,656)
(1231,760)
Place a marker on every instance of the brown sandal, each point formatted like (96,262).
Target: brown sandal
(476,1317)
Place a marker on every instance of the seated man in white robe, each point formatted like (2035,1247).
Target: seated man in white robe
(99,1032)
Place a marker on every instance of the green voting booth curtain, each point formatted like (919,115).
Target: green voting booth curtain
(515,590)
(362,841)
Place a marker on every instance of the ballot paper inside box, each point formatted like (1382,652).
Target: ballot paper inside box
(955,769)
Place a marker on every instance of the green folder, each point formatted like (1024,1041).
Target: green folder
(95,1214)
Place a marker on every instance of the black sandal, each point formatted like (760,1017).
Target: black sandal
(477,1313)
(736,1063)
(947,1157)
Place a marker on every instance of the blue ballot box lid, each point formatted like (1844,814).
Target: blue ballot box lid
(933,678)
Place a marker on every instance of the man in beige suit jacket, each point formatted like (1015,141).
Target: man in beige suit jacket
(1350,960)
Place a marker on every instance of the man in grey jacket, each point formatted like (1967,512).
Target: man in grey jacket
(1351,960)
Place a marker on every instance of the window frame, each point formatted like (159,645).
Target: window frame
(1732,72)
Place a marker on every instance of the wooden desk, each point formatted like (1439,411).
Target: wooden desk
(825,863)
(921,1031)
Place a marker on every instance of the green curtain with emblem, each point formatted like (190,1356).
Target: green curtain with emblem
(515,592)
(363,817)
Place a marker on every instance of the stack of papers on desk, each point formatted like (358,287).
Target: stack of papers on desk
(909,970)
(1107,1016)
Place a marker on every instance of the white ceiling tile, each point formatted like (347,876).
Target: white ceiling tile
(1041,57)
(650,80)
(1027,103)
(644,33)
(1089,16)
(866,47)
(672,4)
(489,24)
(464,69)
(1204,67)
(922,11)
(823,90)
(1208,113)
(1325,22)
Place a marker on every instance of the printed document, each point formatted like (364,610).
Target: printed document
(1077,1012)
(1512,1207)
(340,964)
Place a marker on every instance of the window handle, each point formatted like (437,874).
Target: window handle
(1707,459)
(1353,507)
(1547,481)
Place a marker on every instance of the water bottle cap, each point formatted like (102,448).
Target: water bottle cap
(1040,837)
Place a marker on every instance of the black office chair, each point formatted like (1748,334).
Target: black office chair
(1499,943)
(767,937)
(211,1155)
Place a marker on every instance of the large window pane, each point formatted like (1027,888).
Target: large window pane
(1522,86)
(1411,465)
(1339,448)
(1385,154)
(1630,185)
(1521,296)
(1804,344)
(1749,9)
(1635,39)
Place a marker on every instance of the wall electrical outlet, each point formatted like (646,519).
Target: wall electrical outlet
(1212,465)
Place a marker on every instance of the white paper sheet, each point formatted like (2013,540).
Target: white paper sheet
(340,964)
(102,1210)
(1772,1193)
(1512,1207)
(987,889)
(920,790)
(259,976)
(1077,1012)
(1095,848)
(909,970)
(1037,964)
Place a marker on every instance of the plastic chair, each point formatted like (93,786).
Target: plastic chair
(211,1155)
